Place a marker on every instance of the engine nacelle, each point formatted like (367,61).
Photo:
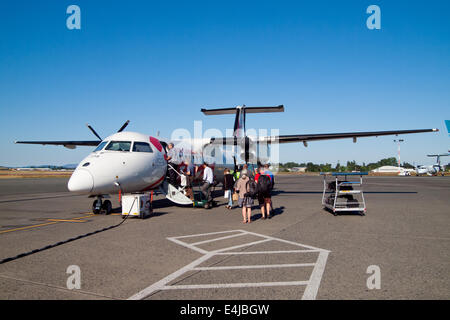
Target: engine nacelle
(251,157)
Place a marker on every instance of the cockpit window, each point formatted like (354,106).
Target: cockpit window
(100,146)
(119,146)
(141,147)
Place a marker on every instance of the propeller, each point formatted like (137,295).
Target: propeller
(93,131)
(100,138)
(247,149)
(124,126)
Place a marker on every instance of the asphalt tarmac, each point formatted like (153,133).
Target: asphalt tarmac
(398,250)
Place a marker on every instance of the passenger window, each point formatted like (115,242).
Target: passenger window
(100,146)
(119,146)
(142,147)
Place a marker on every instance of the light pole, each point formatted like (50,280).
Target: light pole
(398,142)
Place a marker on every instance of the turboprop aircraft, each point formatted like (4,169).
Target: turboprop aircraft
(130,162)
(433,169)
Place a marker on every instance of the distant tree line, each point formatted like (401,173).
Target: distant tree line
(350,166)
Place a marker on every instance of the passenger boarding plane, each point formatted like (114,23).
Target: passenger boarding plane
(130,162)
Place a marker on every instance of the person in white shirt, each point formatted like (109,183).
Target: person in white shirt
(173,166)
(208,178)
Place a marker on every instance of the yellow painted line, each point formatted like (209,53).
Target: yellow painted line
(72,220)
(43,224)
(29,227)
(63,220)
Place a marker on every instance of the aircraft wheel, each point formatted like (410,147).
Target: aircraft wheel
(107,207)
(96,206)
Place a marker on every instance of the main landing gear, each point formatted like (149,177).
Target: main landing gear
(101,207)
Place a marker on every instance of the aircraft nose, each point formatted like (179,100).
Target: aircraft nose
(81,181)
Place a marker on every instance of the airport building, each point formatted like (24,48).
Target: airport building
(391,169)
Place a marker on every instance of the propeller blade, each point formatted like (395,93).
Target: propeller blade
(93,131)
(247,149)
(124,126)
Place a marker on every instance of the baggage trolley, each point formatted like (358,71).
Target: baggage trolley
(343,195)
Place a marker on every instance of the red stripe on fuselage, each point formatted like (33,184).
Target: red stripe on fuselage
(154,184)
(156,143)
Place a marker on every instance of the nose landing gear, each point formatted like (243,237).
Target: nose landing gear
(101,207)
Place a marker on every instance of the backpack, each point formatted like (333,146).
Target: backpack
(264,184)
(252,188)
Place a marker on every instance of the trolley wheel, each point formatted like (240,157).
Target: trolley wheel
(362,213)
(96,206)
(107,207)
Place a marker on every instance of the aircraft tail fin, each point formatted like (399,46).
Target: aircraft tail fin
(447,123)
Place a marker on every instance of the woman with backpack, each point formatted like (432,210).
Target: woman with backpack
(264,186)
(245,201)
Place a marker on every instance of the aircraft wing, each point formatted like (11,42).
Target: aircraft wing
(353,135)
(321,136)
(67,144)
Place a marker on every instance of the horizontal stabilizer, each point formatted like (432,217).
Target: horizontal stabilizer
(210,112)
(279,108)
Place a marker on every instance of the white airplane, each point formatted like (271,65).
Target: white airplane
(130,162)
(433,169)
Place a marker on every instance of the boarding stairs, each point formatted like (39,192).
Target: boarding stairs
(176,194)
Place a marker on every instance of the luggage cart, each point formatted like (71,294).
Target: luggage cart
(343,195)
(200,201)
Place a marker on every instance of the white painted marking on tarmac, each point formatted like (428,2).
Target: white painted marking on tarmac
(218,239)
(160,285)
(188,245)
(312,285)
(265,252)
(208,234)
(263,266)
(316,275)
(236,285)
(241,245)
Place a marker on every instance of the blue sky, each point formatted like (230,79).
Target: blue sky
(158,63)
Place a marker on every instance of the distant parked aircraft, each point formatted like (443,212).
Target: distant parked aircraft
(433,169)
